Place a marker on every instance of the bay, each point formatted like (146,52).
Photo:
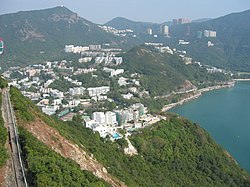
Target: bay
(225,115)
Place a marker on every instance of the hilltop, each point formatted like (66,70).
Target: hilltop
(231,44)
(36,36)
(136,26)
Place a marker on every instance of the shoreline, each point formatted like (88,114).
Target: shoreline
(241,79)
(197,94)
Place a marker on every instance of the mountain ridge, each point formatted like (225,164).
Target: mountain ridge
(136,26)
(44,33)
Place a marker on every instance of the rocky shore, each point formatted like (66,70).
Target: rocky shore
(197,94)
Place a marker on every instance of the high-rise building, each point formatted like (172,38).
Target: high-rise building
(110,118)
(199,34)
(99,117)
(95,47)
(149,31)
(69,48)
(165,30)
(181,21)
(208,33)
(212,34)
(1,46)
(175,21)
(76,91)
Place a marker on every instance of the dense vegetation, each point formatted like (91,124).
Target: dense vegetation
(137,27)
(187,155)
(231,48)
(174,152)
(35,36)
(47,168)
(163,73)
(61,85)
(3,137)
(3,83)
(45,32)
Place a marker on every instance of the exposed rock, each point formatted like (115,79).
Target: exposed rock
(67,149)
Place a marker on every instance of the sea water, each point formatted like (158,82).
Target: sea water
(225,114)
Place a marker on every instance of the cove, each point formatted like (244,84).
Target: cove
(225,115)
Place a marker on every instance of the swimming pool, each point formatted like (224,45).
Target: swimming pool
(116,136)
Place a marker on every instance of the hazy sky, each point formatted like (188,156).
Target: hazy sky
(101,11)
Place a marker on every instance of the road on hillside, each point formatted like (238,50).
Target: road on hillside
(13,140)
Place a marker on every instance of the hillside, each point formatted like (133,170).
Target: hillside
(137,26)
(35,36)
(232,43)
(162,73)
(174,152)
(201,20)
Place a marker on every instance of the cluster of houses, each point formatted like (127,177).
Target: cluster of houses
(35,83)
(117,32)
(109,123)
(96,53)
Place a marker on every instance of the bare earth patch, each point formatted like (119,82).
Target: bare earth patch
(67,149)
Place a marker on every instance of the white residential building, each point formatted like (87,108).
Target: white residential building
(110,118)
(73,103)
(75,49)
(102,130)
(127,96)
(95,47)
(57,94)
(50,110)
(210,44)
(122,81)
(96,91)
(208,33)
(57,102)
(99,117)
(85,59)
(182,42)
(69,48)
(90,123)
(133,89)
(46,84)
(77,91)
(116,72)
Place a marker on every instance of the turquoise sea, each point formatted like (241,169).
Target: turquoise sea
(225,114)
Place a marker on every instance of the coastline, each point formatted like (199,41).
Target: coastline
(241,79)
(197,94)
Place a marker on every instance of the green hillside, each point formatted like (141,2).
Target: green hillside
(51,169)
(136,26)
(34,36)
(3,138)
(162,73)
(3,129)
(232,43)
(174,152)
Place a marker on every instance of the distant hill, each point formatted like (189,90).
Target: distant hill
(137,26)
(201,20)
(32,36)
(232,44)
